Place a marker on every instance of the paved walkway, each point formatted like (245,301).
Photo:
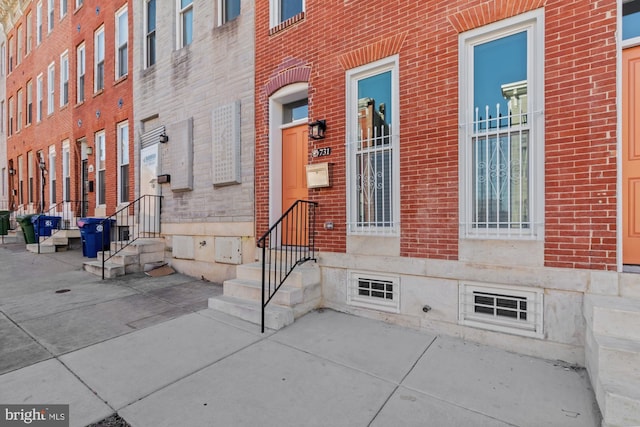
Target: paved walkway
(149,349)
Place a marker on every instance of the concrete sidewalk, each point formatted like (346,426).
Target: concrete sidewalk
(180,364)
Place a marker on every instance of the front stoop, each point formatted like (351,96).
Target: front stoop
(131,259)
(60,240)
(242,296)
(613,357)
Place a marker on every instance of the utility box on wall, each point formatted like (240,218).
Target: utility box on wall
(228,250)
(319,175)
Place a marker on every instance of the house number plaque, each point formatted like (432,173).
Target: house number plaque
(321,152)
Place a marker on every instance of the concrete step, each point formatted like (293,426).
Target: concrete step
(619,403)
(303,275)
(613,316)
(70,233)
(613,359)
(43,249)
(276,317)
(9,238)
(630,286)
(111,270)
(121,258)
(141,246)
(248,289)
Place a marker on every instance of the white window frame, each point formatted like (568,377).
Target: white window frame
(20,110)
(51,84)
(19,41)
(11,53)
(373,302)
(123,141)
(30,178)
(275,11)
(533,326)
(39,96)
(29,33)
(2,118)
(3,61)
(101,157)
(39,23)
(352,77)
(533,23)
(149,35)
(50,15)
(21,179)
(122,46)
(29,110)
(98,59)
(79,3)
(81,72)
(66,170)
(52,175)
(10,127)
(180,11)
(64,78)
(64,7)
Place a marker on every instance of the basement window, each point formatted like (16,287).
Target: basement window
(502,309)
(374,291)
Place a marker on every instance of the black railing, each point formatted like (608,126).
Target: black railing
(5,217)
(62,216)
(288,243)
(139,219)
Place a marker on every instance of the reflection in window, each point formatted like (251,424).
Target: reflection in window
(290,8)
(295,111)
(631,19)
(500,141)
(186,22)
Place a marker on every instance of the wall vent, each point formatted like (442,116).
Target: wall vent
(502,308)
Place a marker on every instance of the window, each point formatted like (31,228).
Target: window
(79,3)
(500,109)
(98,53)
(39,23)
(122,37)
(630,19)
(29,33)
(373,170)
(10,121)
(64,79)
(2,116)
(100,166)
(66,171)
(30,164)
(51,79)
(228,10)
(10,41)
(123,162)
(375,291)
(20,118)
(39,96)
(80,74)
(501,308)
(50,15)
(150,31)
(63,8)
(19,42)
(3,64)
(281,10)
(52,174)
(29,102)
(185,22)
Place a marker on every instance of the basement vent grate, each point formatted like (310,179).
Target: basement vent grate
(502,308)
(374,291)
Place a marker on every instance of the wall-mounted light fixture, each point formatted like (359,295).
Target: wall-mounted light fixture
(164,138)
(12,171)
(89,151)
(317,128)
(164,179)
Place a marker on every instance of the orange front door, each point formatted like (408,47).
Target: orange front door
(631,156)
(294,176)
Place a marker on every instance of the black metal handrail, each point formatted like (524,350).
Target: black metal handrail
(139,219)
(4,225)
(288,243)
(63,217)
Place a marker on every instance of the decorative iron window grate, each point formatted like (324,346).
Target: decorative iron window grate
(374,291)
(502,308)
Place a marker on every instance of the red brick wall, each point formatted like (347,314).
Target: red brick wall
(75,121)
(580,114)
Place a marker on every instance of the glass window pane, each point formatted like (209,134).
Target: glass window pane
(151,15)
(231,10)
(122,29)
(187,27)
(185,3)
(631,20)
(289,8)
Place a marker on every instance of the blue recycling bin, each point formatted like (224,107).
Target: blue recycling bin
(44,224)
(95,234)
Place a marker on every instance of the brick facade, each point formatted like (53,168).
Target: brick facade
(580,115)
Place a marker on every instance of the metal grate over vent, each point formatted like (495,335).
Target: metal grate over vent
(374,291)
(225,129)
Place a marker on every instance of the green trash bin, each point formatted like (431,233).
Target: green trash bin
(27,228)
(4,222)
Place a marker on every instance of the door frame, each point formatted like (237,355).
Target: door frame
(291,93)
